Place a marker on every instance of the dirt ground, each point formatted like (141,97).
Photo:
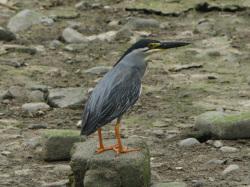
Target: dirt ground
(170,96)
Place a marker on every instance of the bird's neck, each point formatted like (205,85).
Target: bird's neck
(136,61)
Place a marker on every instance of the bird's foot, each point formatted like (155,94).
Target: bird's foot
(120,150)
(103,149)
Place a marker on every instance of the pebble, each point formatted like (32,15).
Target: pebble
(36,96)
(6,35)
(62,169)
(23,172)
(5,153)
(54,44)
(38,126)
(35,107)
(158,133)
(216,161)
(230,168)
(228,149)
(33,142)
(217,144)
(62,183)
(79,124)
(99,70)
(188,142)
(72,36)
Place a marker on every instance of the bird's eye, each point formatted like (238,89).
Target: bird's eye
(153,45)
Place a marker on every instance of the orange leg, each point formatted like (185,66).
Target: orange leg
(119,148)
(101,146)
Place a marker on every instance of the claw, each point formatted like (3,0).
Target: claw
(119,150)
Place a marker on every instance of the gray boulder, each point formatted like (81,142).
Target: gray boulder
(56,144)
(25,19)
(224,126)
(67,97)
(108,169)
(6,35)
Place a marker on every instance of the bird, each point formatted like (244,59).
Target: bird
(118,91)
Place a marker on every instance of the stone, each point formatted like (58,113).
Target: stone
(230,168)
(142,23)
(4,94)
(216,161)
(33,108)
(99,70)
(23,172)
(67,97)
(62,183)
(5,153)
(65,13)
(220,125)
(32,142)
(18,93)
(217,144)
(24,20)
(56,144)
(170,184)
(228,149)
(36,96)
(109,169)
(62,169)
(188,142)
(38,126)
(54,44)
(72,36)
(6,35)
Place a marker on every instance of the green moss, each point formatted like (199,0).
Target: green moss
(60,133)
(232,118)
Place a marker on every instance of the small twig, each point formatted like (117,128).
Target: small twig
(8,6)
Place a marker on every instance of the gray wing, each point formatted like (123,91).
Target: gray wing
(111,98)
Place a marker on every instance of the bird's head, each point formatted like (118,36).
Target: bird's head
(149,46)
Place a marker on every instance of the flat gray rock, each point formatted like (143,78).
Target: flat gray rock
(224,126)
(24,20)
(108,169)
(67,97)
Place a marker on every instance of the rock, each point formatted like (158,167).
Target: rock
(38,126)
(40,87)
(170,184)
(72,36)
(54,44)
(36,96)
(99,70)
(142,23)
(159,133)
(188,142)
(216,161)
(6,35)
(67,97)
(62,183)
(224,126)
(33,142)
(65,13)
(230,168)
(106,36)
(5,153)
(108,169)
(18,93)
(217,144)
(62,169)
(23,172)
(24,20)
(76,47)
(33,108)
(124,34)
(58,143)
(4,95)
(228,149)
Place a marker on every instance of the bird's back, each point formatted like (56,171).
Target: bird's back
(113,95)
